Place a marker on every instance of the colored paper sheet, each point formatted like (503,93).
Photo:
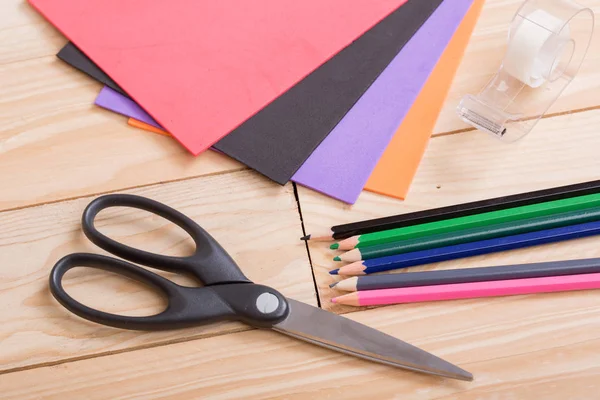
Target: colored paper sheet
(341,165)
(74,57)
(147,127)
(398,165)
(279,138)
(116,102)
(201,68)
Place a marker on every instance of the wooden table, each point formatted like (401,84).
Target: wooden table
(58,151)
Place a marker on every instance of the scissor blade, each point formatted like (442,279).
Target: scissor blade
(336,332)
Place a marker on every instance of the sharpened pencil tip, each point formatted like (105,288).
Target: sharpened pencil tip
(334,246)
(307,237)
(334,284)
(334,300)
(336,258)
(334,271)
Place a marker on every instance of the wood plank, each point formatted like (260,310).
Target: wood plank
(25,34)
(56,144)
(256,221)
(514,353)
(484,54)
(468,167)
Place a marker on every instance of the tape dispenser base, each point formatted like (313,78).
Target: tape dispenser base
(548,41)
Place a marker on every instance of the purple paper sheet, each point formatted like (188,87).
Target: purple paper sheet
(116,102)
(343,162)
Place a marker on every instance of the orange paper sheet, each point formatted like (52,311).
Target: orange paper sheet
(147,127)
(397,166)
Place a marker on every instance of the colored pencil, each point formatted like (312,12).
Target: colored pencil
(344,231)
(472,235)
(469,249)
(471,290)
(472,221)
(467,275)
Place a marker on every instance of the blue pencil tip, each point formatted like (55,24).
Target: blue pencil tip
(334,271)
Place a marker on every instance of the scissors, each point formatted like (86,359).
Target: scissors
(227,294)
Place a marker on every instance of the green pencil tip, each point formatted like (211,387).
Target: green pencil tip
(334,272)
(334,284)
(336,258)
(334,246)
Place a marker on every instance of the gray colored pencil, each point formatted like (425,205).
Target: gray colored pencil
(465,275)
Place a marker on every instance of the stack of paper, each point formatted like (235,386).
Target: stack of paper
(334,95)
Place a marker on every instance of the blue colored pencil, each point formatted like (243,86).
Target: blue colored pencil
(469,249)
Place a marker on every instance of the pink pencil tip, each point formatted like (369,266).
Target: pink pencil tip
(334,300)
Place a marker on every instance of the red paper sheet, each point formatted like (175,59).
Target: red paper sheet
(201,68)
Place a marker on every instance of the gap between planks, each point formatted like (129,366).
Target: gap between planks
(3,64)
(550,115)
(312,269)
(95,194)
(126,350)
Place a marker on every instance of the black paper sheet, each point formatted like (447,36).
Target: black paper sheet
(279,138)
(77,59)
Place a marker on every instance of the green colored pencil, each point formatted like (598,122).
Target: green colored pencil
(473,235)
(471,221)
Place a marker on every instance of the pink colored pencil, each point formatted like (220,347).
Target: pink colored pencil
(472,290)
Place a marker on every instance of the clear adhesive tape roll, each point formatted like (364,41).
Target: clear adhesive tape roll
(534,48)
(547,43)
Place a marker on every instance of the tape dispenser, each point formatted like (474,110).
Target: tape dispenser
(548,40)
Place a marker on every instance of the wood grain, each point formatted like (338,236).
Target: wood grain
(484,54)
(517,348)
(256,221)
(25,34)
(468,167)
(57,144)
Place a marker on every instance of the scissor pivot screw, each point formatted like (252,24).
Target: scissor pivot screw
(267,303)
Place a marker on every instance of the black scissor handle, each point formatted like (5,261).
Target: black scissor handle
(186,306)
(210,262)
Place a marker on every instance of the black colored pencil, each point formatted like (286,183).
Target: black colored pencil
(458,210)
(466,275)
